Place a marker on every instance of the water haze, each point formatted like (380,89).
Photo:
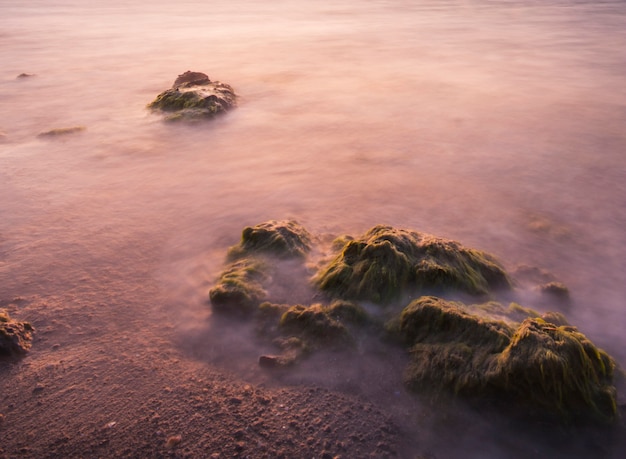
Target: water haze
(498,124)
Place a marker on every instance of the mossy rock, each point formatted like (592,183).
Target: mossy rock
(193,96)
(540,366)
(316,326)
(240,288)
(557,368)
(386,262)
(433,320)
(15,337)
(283,239)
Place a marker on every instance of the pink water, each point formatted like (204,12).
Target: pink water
(499,124)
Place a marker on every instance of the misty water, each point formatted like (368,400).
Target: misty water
(496,123)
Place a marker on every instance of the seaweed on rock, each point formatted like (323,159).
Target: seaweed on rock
(194,96)
(543,367)
(280,238)
(316,325)
(385,262)
(15,336)
(556,368)
(240,288)
(486,352)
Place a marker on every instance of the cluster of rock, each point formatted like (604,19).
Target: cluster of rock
(483,349)
(194,96)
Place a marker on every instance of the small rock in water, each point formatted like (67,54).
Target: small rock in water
(25,75)
(193,96)
(62,131)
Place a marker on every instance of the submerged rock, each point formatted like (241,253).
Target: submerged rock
(62,131)
(538,365)
(15,337)
(386,262)
(512,354)
(239,289)
(280,238)
(194,96)
(556,368)
(241,286)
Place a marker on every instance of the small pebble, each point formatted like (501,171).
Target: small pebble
(38,388)
(173,441)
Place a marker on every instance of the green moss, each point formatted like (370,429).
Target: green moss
(514,313)
(239,288)
(348,312)
(194,98)
(433,320)
(284,239)
(556,368)
(385,262)
(537,365)
(272,310)
(315,325)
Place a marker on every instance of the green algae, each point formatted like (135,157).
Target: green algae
(316,325)
(431,319)
(538,365)
(239,288)
(280,238)
(557,368)
(193,96)
(386,262)
(302,330)
(491,352)
(15,337)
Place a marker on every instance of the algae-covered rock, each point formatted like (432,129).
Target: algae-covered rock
(433,320)
(315,325)
(450,347)
(15,336)
(556,368)
(62,131)
(284,239)
(385,262)
(194,96)
(538,365)
(240,288)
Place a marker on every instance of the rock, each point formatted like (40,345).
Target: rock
(315,326)
(539,366)
(15,337)
(386,262)
(193,96)
(239,289)
(189,79)
(557,369)
(280,238)
(62,131)
(25,75)
(556,290)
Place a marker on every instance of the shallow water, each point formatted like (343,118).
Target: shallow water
(499,124)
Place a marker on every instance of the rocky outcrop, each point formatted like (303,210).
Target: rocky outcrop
(194,96)
(15,336)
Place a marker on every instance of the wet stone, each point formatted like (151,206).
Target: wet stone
(194,96)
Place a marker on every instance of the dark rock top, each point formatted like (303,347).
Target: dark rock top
(190,78)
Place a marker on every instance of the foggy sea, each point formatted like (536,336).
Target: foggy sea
(500,124)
